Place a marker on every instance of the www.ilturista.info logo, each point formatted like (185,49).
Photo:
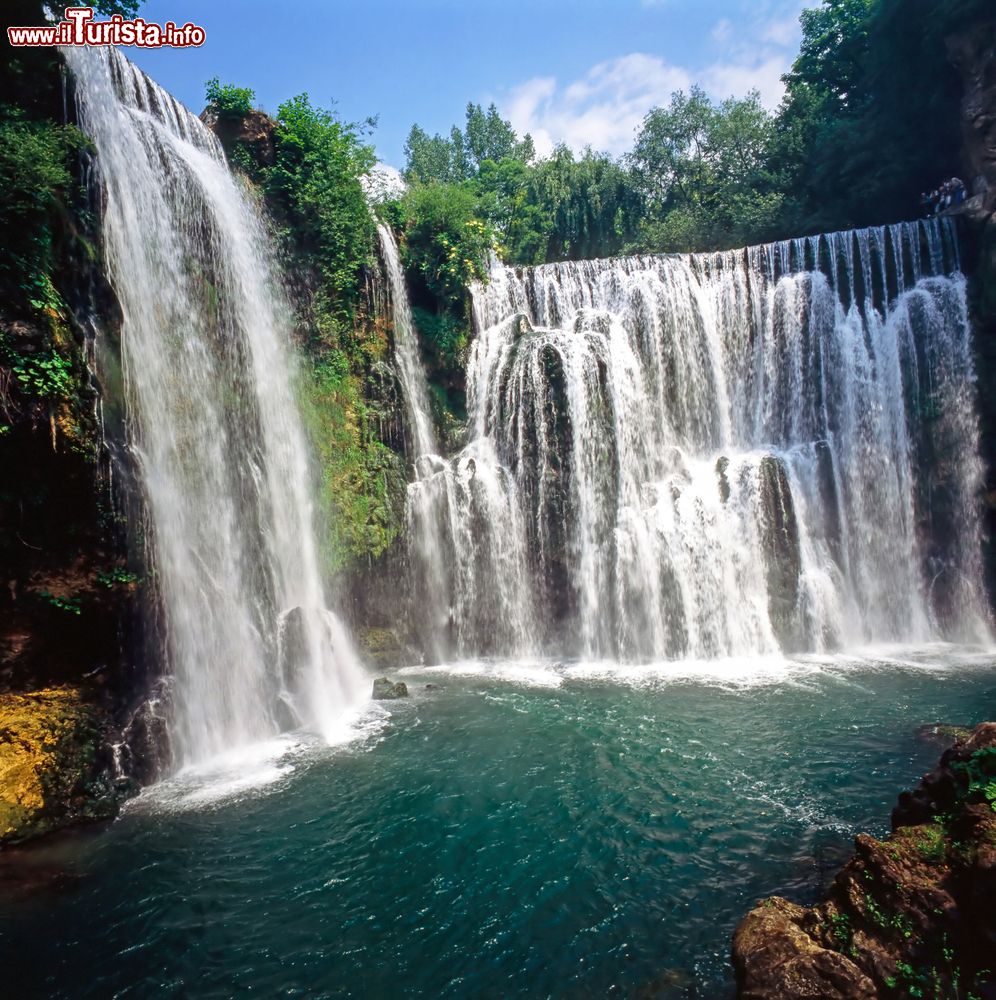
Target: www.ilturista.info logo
(79,28)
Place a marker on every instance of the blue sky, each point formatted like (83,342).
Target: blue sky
(576,71)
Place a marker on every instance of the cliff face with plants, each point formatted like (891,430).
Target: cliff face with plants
(68,596)
(908,916)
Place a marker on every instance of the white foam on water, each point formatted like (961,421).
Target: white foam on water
(258,768)
(526,673)
(731,673)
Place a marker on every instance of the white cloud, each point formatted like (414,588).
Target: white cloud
(722,31)
(604,108)
(383,183)
(732,79)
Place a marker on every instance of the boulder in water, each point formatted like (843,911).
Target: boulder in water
(385,689)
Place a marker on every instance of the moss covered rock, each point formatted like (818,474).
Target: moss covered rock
(49,771)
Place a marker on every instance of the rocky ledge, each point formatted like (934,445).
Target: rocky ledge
(908,916)
(50,772)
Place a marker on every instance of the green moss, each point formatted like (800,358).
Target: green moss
(930,842)
(362,480)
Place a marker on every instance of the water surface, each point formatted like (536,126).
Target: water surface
(529,829)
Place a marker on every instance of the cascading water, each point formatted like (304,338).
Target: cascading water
(716,455)
(463,524)
(250,647)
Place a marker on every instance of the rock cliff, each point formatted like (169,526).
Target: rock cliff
(907,916)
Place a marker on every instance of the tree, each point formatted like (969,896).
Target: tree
(702,168)
(227,99)
(315,181)
(486,137)
(574,209)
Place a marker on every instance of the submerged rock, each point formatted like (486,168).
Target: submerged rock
(388,690)
(49,773)
(907,916)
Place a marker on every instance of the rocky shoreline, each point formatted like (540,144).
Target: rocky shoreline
(907,916)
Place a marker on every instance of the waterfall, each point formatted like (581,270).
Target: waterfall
(728,454)
(249,646)
(411,374)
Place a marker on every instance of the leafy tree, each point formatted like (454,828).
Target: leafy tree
(486,137)
(36,180)
(573,209)
(432,158)
(447,241)
(702,168)
(870,118)
(227,99)
(315,184)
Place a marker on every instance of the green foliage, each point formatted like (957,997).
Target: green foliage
(702,168)
(893,921)
(572,209)
(979,775)
(445,335)
(486,137)
(117,577)
(447,241)
(227,99)
(72,605)
(930,842)
(35,180)
(46,376)
(842,930)
(315,186)
(362,480)
(871,114)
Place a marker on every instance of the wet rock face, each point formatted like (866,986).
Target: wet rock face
(252,132)
(783,562)
(973,52)
(50,774)
(908,916)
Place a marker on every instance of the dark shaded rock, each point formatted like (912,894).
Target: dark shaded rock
(381,647)
(388,690)
(432,687)
(973,52)
(907,916)
(722,465)
(780,541)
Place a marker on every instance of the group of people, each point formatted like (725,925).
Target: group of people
(949,195)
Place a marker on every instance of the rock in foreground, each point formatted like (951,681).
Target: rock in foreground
(388,690)
(49,775)
(908,916)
